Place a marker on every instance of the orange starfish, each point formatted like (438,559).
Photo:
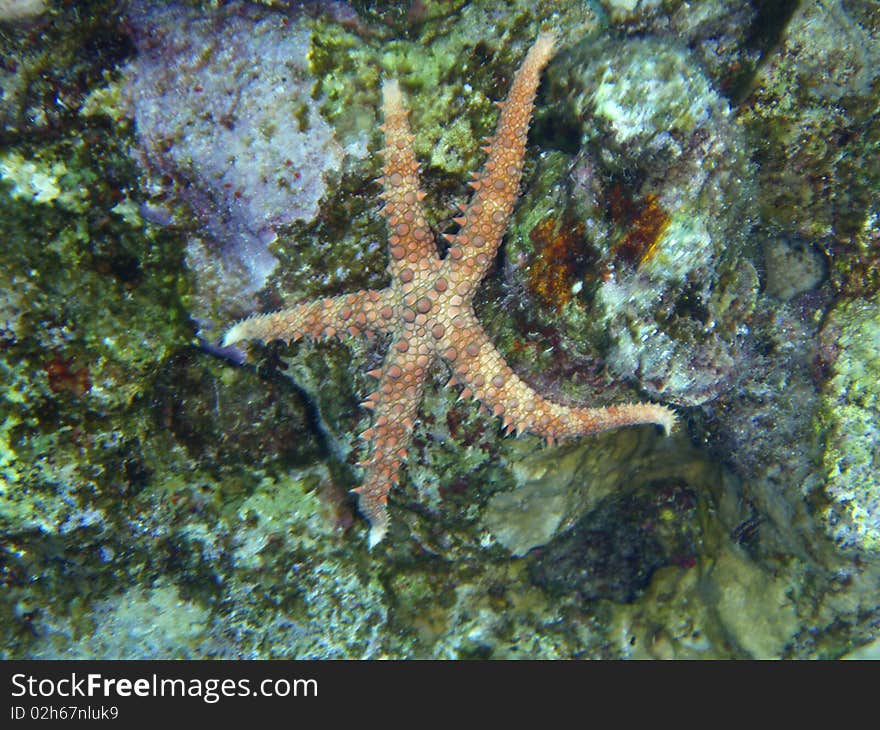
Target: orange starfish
(428,308)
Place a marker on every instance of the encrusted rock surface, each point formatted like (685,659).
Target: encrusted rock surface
(159,501)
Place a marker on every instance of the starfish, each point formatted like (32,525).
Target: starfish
(427,308)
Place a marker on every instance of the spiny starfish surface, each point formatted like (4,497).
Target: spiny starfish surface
(427,308)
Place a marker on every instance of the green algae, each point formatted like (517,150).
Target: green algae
(813,121)
(849,421)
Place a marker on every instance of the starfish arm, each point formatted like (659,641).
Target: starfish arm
(427,308)
(394,404)
(410,240)
(486,376)
(367,311)
(495,190)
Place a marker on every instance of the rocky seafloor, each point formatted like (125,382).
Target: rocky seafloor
(699,225)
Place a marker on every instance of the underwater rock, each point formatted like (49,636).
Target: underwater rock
(850,423)
(630,11)
(613,552)
(755,607)
(723,608)
(150,511)
(793,267)
(147,623)
(226,417)
(763,428)
(226,121)
(554,487)
(49,61)
(813,121)
(17,10)
(814,118)
(633,247)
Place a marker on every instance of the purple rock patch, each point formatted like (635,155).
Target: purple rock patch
(222,107)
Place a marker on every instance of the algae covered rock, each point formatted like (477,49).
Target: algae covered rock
(814,119)
(850,424)
(632,248)
(158,501)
